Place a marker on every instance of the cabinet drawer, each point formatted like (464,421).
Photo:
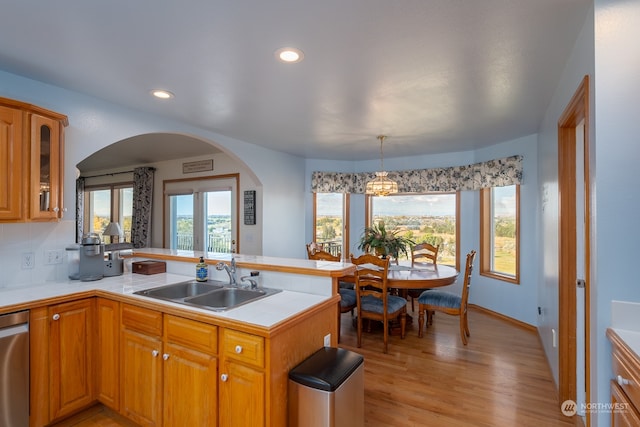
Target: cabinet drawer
(626,368)
(623,413)
(243,347)
(142,320)
(190,333)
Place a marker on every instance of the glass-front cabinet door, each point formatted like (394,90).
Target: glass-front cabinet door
(46,169)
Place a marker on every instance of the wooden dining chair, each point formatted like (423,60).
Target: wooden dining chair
(448,302)
(372,297)
(312,248)
(347,294)
(422,254)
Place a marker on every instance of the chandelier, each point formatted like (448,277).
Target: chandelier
(381,185)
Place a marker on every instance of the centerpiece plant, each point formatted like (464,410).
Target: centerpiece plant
(377,238)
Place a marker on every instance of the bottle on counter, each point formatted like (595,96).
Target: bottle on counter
(255,275)
(202,271)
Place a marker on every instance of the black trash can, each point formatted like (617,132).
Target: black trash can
(327,390)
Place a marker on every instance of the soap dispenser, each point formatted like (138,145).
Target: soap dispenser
(202,271)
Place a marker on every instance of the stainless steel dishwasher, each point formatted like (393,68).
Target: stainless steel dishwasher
(14,369)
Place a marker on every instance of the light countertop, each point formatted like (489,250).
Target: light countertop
(265,312)
(265,263)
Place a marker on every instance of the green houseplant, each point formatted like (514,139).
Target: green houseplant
(377,238)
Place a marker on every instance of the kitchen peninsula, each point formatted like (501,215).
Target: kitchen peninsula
(162,363)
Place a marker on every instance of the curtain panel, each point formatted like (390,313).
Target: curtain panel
(492,173)
(79,208)
(142,206)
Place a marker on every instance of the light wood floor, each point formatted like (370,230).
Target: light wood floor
(501,378)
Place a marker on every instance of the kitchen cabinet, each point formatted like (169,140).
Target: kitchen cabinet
(31,162)
(242,379)
(159,365)
(140,365)
(11,167)
(625,389)
(190,373)
(108,352)
(169,369)
(71,357)
(62,379)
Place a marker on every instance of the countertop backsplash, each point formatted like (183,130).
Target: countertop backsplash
(625,315)
(33,253)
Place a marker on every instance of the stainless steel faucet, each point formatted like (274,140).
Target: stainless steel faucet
(231,271)
(253,284)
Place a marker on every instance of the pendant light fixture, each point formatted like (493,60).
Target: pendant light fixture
(381,185)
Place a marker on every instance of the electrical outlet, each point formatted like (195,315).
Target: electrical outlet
(52,257)
(327,340)
(28,260)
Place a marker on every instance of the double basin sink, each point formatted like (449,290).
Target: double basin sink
(211,295)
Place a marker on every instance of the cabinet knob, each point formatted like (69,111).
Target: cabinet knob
(224,377)
(155,353)
(238,349)
(165,356)
(56,316)
(56,209)
(622,381)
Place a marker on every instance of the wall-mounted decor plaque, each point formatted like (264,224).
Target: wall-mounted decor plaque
(197,166)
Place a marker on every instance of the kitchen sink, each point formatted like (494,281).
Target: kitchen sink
(230,297)
(211,295)
(180,291)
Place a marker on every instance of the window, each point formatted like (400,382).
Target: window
(430,218)
(499,232)
(109,203)
(330,219)
(201,214)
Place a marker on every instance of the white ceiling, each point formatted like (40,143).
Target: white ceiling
(435,75)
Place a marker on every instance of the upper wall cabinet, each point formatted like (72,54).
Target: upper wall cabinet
(31,162)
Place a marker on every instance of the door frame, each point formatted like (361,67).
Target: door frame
(576,111)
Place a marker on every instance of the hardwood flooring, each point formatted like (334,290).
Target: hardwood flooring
(501,378)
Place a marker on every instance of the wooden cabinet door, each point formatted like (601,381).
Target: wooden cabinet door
(108,352)
(623,413)
(71,346)
(46,169)
(11,164)
(141,378)
(242,395)
(190,387)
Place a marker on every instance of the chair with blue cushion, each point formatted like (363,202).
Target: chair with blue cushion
(448,302)
(347,294)
(422,255)
(373,299)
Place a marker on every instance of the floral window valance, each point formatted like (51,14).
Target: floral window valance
(492,173)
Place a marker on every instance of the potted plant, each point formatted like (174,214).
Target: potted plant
(377,238)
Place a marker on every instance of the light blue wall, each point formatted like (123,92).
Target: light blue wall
(94,124)
(516,301)
(605,50)
(617,153)
(579,64)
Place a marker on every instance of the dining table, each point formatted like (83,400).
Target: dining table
(425,275)
(403,277)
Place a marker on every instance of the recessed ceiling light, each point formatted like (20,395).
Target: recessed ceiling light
(289,55)
(162,94)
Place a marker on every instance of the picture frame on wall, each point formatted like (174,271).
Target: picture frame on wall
(250,207)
